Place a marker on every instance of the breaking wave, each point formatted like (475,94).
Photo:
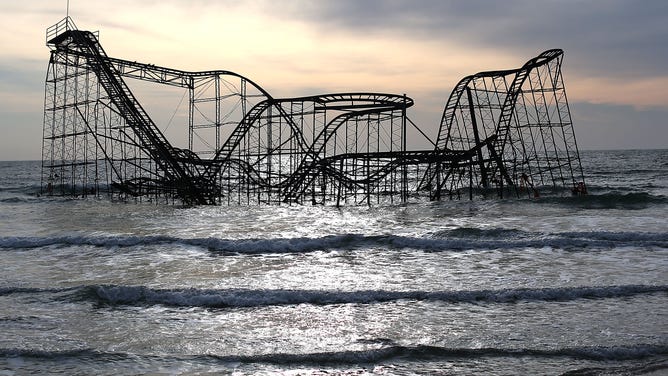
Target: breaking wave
(418,352)
(242,298)
(610,200)
(254,298)
(458,239)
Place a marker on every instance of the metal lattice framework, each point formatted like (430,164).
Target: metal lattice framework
(244,146)
(522,118)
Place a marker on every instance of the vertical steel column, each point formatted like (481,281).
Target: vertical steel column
(217,103)
(404,182)
(476,135)
(191,111)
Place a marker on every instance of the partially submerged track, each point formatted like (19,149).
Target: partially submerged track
(506,131)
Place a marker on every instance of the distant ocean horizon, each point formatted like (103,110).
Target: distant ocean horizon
(555,285)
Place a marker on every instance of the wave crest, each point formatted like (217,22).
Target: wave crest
(377,355)
(610,200)
(457,239)
(254,298)
(240,298)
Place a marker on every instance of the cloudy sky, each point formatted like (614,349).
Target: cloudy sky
(615,67)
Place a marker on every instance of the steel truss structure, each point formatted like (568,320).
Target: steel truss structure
(522,118)
(501,131)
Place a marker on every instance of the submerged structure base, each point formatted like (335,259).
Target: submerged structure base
(502,133)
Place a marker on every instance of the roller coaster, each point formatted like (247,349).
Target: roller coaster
(503,133)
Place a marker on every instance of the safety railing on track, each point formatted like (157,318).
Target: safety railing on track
(63,26)
(59,28)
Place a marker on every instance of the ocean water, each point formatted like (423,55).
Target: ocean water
(546,286)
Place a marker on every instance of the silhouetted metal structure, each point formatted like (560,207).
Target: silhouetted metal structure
(501,131)
(523,117)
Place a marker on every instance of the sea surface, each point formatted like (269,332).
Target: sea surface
(544,286)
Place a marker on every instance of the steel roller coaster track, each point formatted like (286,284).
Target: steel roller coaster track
(502,133)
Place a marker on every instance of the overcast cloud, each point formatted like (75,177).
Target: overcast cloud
(606,37)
